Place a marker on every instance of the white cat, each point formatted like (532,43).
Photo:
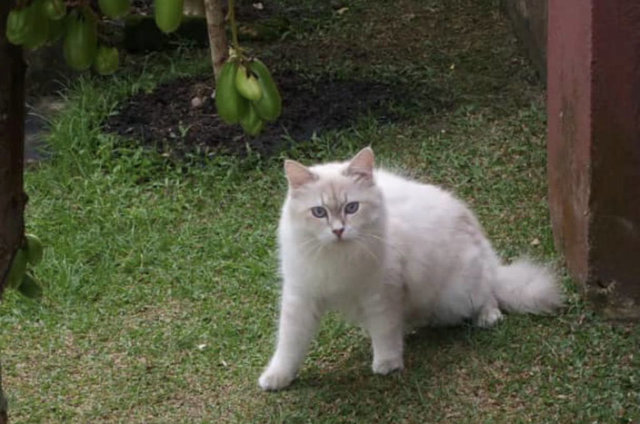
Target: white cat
(390,254)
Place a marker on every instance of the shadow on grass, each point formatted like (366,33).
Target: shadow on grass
(347,391)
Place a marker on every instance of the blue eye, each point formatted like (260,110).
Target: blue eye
(351,207)
(319,212)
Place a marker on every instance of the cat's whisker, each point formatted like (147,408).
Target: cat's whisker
(366,248)
(311,246)
(316,250)
(308,243)
(381,239)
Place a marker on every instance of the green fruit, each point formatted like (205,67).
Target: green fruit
(251,123)
(168,14)
(30,287)
(54,9)
(56,30)
(38,31)
(18,24)
(18,268)
(80,42)
(247,84)
(114,8)
(230,104)
(34,249)
(269,107)
(106,61)
(29,26)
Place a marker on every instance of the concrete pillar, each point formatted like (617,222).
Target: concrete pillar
(593,89)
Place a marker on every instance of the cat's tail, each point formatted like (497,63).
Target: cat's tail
(527,287)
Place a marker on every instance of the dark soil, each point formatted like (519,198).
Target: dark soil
(313,103)
(257,21)
(166,119)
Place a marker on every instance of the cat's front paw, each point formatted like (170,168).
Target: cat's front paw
(275,379)
(387,366)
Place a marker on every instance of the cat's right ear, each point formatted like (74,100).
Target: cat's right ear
(298,174)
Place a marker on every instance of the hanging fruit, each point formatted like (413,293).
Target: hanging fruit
(251,123)
(115,8)
(30,287)
(38,32)
(230,104)
(20,277)
(18,25)
(269,106)
(81,40)
(34,249)
(106,61)
(18,268)
(29,26)
(54,9)
(168,14)
(245,90)
(247,84)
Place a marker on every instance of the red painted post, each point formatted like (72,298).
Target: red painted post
(593,89)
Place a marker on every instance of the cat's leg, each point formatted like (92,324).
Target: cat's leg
(385,323)
(488,312)
(488,315)
(299,319)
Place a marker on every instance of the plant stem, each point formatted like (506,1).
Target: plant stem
(234,28)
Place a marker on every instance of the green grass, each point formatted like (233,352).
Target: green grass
(162,284)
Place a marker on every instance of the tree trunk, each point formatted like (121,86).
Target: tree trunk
(12,197)
(3,403)
(217,34)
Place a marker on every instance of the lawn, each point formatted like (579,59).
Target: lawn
(161,271)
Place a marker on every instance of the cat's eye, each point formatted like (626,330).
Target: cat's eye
(319,212)
(351,207)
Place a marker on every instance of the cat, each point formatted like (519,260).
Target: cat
(389,254)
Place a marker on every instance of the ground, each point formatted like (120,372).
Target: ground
(166,119)
(161,262)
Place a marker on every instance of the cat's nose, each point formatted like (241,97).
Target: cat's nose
(338,231)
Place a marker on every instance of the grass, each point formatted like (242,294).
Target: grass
(162,284)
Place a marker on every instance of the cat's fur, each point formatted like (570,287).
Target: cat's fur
(412,254)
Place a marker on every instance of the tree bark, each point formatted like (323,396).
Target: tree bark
(12,196)
(217,35)
(4,419)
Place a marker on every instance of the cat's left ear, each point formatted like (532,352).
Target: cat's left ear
(361,166)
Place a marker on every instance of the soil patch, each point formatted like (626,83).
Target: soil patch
(257,21)
(167,119)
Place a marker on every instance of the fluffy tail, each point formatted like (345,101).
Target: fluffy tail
(527,287)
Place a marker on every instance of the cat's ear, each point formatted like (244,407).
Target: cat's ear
(298,174)
(361,166)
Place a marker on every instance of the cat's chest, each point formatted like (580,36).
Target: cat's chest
(333,274)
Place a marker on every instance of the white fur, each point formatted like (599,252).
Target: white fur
(411,255)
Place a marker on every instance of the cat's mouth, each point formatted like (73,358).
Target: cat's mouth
(341,239)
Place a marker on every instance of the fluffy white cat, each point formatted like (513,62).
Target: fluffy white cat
(390,254)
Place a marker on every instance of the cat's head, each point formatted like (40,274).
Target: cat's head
(335,202)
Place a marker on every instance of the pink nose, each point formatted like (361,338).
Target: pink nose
(338,232)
